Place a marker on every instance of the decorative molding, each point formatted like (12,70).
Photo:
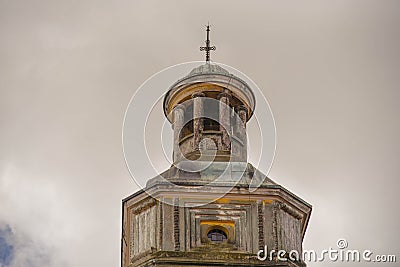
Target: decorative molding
(143,205)
(131,234)
(198,94)
(161,223)
(176,227)
(275,210)
(260,212)
(291,211)
(226,94)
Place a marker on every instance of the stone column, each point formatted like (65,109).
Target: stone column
(198,111)
(179,111)
(225,119)
(240,130)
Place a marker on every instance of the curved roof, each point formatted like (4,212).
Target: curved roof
(208,69)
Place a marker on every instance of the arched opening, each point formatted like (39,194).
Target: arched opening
(217,235)
(211,115)
(188,122)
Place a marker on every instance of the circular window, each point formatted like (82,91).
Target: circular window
(217,235)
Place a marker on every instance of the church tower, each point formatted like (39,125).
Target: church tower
(203,211)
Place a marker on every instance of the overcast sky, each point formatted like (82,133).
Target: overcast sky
(329,69)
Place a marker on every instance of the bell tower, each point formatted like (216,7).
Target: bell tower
(201,211)
(209,109)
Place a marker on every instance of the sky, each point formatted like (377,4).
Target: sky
(330,71)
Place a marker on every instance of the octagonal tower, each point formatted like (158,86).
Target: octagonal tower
(202,211)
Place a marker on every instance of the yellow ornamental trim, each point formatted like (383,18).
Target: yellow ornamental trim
(219,223)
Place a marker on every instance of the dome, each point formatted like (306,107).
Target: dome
(208,69)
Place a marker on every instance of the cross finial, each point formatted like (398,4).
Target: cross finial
(207,48)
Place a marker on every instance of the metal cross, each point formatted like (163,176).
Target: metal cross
(208,48)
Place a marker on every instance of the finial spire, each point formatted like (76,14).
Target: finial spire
(208,48)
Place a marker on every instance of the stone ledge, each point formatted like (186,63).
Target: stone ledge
(211,258)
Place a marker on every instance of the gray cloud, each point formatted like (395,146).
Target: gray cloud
(330,71)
